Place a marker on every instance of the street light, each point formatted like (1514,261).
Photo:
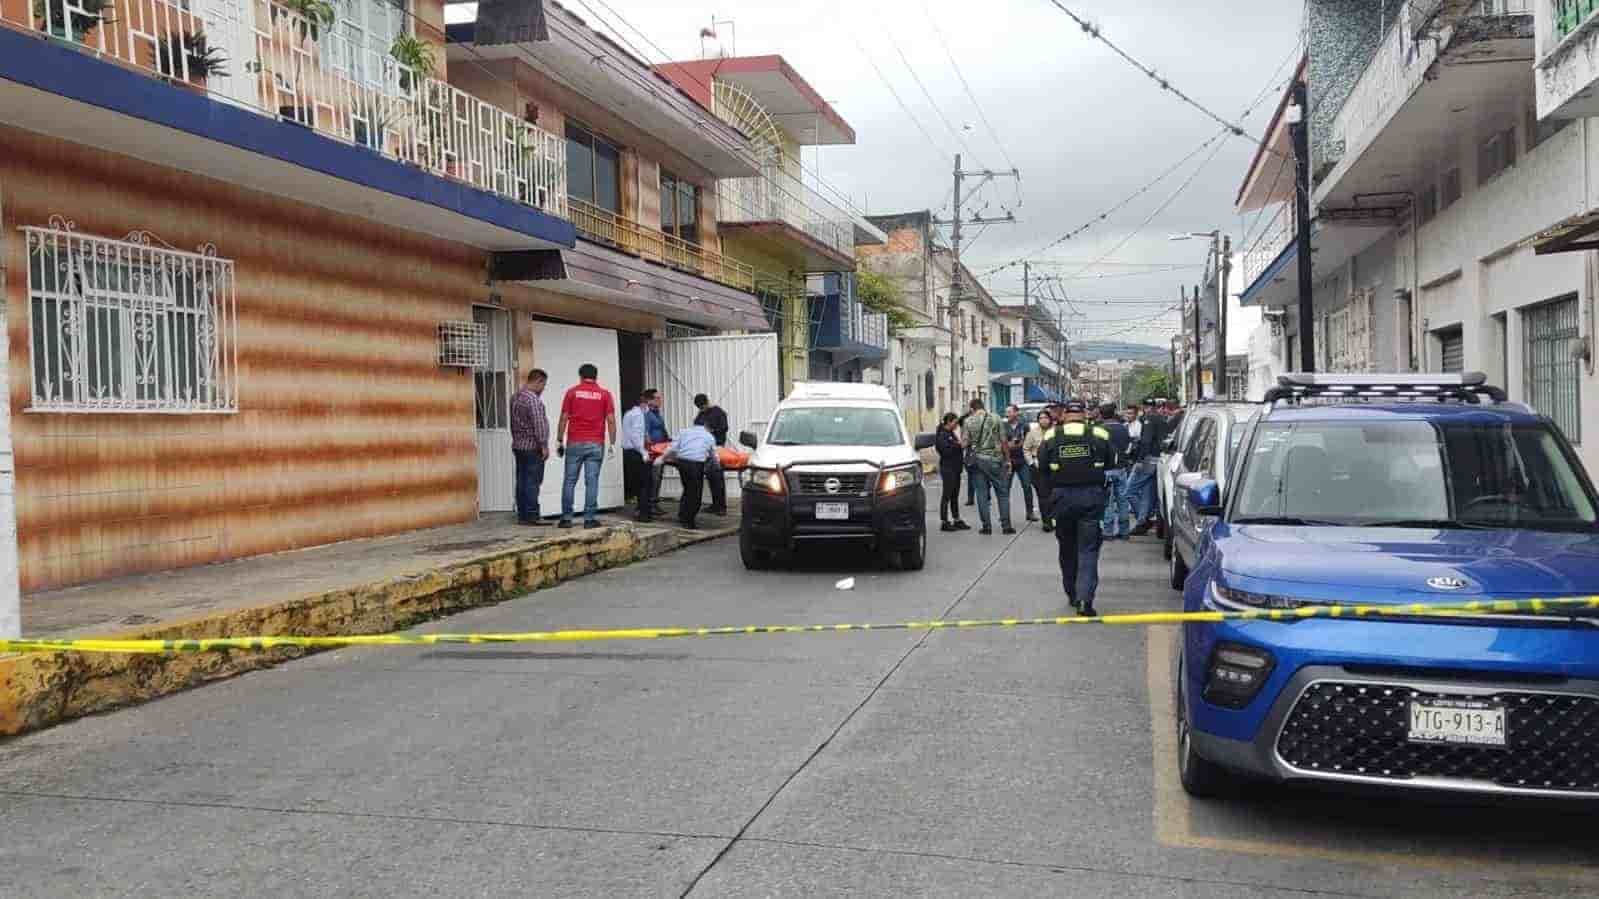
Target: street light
(1221,246)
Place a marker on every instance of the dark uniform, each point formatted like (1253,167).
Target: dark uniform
(1074,457)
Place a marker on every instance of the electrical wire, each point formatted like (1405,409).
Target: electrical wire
(937,110)
(1093,31)
(992,133)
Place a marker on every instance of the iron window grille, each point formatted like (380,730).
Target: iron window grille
(129,325)
(463,344)
(1553,380)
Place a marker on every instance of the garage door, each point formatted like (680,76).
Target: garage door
(1452,351)
(559,350)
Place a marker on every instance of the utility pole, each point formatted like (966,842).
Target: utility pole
(1171,346)
(1199,381)
(956,362)
(1027,310)
(1223,248)
(1301,134)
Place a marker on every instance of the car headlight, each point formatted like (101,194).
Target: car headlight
(766,480)
(897,479)
(1228,598)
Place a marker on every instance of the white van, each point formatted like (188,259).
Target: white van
(834,463)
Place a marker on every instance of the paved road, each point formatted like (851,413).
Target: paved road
(1020,763)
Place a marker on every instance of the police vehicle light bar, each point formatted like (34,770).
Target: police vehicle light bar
(1470,387)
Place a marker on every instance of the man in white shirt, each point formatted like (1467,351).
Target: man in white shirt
(693,452)
(636,472)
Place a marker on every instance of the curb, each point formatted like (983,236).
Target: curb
(42,689)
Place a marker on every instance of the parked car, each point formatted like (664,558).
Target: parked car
(1212,432)
(1380,499)
(1169,457)
(834,463)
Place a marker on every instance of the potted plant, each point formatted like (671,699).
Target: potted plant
(73,27)
(299,22)
(415,57)
(199,60)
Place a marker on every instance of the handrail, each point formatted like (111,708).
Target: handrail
(604,226)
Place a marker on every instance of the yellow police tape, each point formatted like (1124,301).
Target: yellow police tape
(1473,608)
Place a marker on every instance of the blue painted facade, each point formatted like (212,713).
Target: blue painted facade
(78,76)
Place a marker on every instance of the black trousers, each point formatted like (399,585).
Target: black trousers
(1077,510)
(949,498)
(640,475)
(693,475)
(717,480)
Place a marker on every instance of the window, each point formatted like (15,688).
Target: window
(1427,205)
(358,45)
(1495,155)
(679,207)
(1569,14)
(836,426)
(1451,350)
(1550,335)
(1450,192)
(126,326)
(593,169)
(1449,473)
(1194,452)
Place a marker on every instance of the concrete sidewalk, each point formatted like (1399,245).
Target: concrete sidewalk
(360,586)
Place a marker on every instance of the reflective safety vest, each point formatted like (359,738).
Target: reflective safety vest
(1077,455)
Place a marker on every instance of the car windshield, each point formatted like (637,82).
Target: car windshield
(836,426)
(1413,474)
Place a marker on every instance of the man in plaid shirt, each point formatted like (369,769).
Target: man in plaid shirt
(530,443)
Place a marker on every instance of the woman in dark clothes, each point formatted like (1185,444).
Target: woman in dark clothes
(950,462)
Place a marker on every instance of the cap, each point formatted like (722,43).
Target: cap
(1075,406)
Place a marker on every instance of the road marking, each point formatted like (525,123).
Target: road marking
(1173,824)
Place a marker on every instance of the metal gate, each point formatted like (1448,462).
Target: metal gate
(1552,369)
(496,464)
(738,373)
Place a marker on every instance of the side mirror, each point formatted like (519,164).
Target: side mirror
(1203,493)
(926,441)
(748,439)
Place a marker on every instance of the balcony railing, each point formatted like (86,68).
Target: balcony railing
(1571,13)
(265,57)
(604,226)
(1272,240)
(778,196)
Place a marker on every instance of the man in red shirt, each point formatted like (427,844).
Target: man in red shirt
(588,416)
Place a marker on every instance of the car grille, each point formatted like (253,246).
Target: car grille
(811,483)
(1359,729)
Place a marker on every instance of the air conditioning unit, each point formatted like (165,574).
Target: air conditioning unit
(463,344)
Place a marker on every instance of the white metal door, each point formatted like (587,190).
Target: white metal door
(559,350)
(738,373)
(496,466)
(229,26)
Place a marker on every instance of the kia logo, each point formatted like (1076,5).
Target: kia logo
(1445,583)
(833,485)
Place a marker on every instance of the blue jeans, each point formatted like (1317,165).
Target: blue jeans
(529,479)
(971,484)
(1141,491)
(587,457)
(1023,473)
(1114,521)
(990,475)
(1077,511)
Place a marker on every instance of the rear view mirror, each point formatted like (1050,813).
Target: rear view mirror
(926,441)
(748,439)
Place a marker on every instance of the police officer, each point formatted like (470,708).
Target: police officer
(1075,456)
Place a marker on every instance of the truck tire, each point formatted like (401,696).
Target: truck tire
(754,559)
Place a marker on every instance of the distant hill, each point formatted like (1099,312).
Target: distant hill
(1094,350)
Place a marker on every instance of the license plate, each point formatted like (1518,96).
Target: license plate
(1463,722)
(832,511)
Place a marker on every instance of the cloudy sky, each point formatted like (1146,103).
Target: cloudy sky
(1084,128)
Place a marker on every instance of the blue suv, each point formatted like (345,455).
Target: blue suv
(1390,489)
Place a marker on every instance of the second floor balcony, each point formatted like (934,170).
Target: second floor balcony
(778,198)
(840,324)
(603,226)
(301,66)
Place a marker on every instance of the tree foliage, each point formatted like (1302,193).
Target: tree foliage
(878,293)
(1144,381)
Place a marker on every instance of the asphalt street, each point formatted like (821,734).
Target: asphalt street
(1010,763)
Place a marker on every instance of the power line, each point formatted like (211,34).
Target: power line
(939,33)
(931,102)
(1093,31)
(900,100)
